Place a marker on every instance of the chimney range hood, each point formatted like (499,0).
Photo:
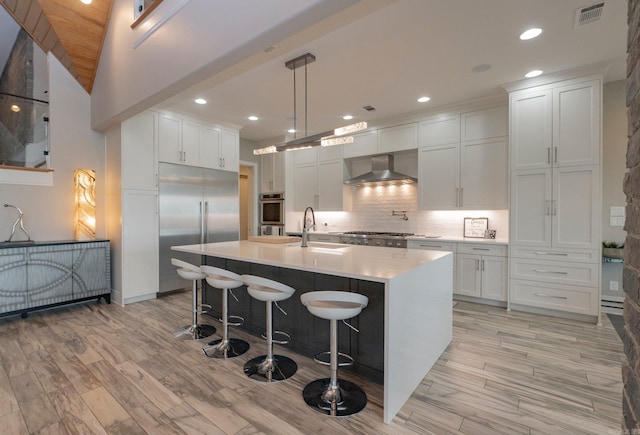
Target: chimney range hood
(381,174)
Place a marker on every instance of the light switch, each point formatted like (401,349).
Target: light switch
(617,212)
(616,221)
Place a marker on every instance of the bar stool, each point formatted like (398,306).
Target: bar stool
(194,331)
(226,347)
(269,367)
(331,396)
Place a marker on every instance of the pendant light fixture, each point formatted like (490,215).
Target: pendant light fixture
(327,138)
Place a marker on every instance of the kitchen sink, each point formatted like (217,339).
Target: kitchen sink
(323,246)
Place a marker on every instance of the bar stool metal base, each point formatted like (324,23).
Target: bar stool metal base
(349,398)
(194,332)
(232,348)
(259,369)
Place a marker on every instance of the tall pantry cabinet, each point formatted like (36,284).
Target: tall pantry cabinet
(555,219)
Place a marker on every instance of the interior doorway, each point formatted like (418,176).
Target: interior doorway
(247,204)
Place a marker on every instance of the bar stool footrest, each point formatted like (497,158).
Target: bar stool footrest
(287,337)
(203,310)
(234,320)
(324,358)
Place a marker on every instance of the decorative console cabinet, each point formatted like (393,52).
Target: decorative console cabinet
(46,274)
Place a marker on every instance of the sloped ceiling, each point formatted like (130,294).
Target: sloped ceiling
(72,31)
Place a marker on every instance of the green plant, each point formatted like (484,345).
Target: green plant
(614,245)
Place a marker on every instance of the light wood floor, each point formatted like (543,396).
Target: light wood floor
(93,368)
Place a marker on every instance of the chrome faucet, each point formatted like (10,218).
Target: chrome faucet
(13,229)
(304,226)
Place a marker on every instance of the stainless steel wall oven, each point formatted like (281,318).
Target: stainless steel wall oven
(272,209)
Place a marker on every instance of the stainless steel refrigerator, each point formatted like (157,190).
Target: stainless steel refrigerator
(196,205)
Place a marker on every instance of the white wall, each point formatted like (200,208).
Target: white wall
(48,210)
(614,152)
(202,39)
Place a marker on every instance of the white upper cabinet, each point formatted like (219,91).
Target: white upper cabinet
(576,134)
(169,138)
(441,130)
(484,175)
(464,174)
(364,144)
(139,151)
(399,138)
(318,179)
(484,124)
(191,143)
(229,150)
(188,142)
(530,129)
(272,173)
(556,126)
(210,149)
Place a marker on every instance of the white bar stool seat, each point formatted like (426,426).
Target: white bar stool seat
(226,347)
(195,331)
(332,396)
(269,367)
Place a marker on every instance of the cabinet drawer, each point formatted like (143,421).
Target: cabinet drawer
(582,300)
(482,249)
(554,254)
(433,246)
(559,272)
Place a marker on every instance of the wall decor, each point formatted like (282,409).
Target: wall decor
(475,227)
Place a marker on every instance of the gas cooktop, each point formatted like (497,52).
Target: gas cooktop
(375,238)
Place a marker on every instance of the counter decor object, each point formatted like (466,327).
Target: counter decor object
(476,227)
(490,234)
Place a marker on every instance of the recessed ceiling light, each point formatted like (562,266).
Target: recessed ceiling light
(15,108)
(253,118)
(534,73)
(291,130)
(530,34)
(347,117)
(200,101)
(86,2)
(481,68)
(423,99)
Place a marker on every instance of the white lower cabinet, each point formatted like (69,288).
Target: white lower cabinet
(561,297)
(482,271)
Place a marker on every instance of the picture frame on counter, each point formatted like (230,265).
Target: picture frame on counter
(475,227)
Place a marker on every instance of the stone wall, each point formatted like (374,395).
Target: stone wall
(631,368)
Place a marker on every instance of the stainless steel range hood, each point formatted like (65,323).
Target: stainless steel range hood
(382,173)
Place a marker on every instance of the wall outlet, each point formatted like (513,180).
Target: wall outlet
(613,285)
(616,221)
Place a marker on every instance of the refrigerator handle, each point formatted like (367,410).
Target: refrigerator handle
(201,222)
(205,224)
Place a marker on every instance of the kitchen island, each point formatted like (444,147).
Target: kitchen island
(415,307)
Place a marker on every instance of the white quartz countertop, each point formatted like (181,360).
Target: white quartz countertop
(359,262)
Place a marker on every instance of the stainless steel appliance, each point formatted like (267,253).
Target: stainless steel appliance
(374,238)
(271,230)
(272,209)
(196,205)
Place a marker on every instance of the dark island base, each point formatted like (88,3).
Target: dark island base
(309,334)
(25,312)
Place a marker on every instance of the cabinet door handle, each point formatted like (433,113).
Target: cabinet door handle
(457,197)
(550,271)
(477,264)
(552,253)
(547,207)
(481,249)
(482,262)
(554,207)
(431,246)
(462,197)
(548,155)
(184,156)
(555,154)
(550,296)
(224,162)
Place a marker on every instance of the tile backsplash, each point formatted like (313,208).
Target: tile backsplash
(372,209)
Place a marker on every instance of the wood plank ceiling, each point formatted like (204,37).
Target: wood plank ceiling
(72,31)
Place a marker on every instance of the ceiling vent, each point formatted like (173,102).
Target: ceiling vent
(369,108)
(588,14)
